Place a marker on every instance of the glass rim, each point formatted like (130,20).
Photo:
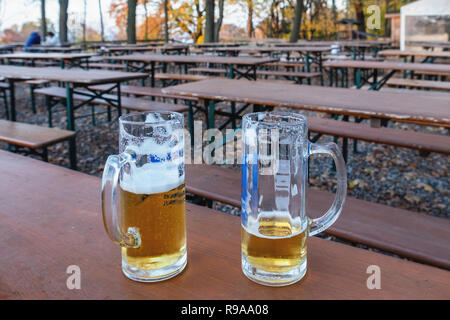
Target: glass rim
(178,117)
(253,117)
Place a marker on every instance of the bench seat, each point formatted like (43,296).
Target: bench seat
(36,137)
(424,142)
(179,77)
(421,84)
(409,234)
(108,66)
(288,74)
(132,104)
(143,91)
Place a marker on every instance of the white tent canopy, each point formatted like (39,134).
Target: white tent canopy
(425,20)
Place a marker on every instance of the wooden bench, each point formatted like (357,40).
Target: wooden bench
(423,142)
(33,138)
(58,95)
(179,77)
(143,92)
(290,75)
(35,83)
(419,84)
(106,66)
(416,236)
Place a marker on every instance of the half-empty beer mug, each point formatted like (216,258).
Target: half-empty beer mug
(274,175)
(143,196)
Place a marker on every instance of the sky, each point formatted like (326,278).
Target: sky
(20,11)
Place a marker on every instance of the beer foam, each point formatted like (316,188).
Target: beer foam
(152,178)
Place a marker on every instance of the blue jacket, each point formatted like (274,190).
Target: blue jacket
(33,39)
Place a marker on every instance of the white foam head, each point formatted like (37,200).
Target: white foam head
(161,172)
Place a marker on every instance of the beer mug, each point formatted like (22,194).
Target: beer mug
(143,196)
(274,176)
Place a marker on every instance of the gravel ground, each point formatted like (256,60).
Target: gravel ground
(397,177)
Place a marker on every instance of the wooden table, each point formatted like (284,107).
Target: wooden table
(42,233)
(418,108)
(66,60)
(375,66)
(427,56)
(59,49)
(141,62)
(73,80)
(430,44)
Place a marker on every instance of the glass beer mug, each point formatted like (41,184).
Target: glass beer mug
(274,175)
(143,196)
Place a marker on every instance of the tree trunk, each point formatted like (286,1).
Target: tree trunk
(297,21)
(146,20)
(131,22)
(84,21)
(357,4)
(43,21)
(166,21)
(218,24)
(102,27)
(63,5)
(209,25)
(250,29)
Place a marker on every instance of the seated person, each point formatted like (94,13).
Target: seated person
(33,39)
(52,40)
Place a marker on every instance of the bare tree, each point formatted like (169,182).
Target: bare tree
(166,21)
(297,21)
(102,27)
(218,23)
(209,24)
(84,21)
(63,5)
(43,20)
(131,22)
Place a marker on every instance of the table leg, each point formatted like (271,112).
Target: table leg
(152,72)
(119,100)
(308,66)
(69,107)
(12,99)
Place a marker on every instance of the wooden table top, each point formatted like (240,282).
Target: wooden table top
(388,65)
(50,218)
(76,76)
(56,49)
(192,59)
(50,56)
(420,108)
(429,44)
(273,49)
(417,53)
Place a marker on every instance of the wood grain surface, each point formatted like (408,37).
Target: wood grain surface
(50,219)
(413,107)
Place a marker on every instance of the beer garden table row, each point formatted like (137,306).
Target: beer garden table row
(62,226)
(146,63)
(428,56)
(75,81)
(419,108)
(391,67)
(72,59)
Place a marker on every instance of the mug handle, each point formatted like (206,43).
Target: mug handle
(111,218)
(324,222)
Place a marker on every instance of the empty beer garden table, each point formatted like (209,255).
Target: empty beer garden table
(76,81)
(141,62)
(427,56)
(44,233)
(66,60)
(391,67)
(417,108)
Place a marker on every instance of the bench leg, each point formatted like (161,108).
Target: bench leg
(49,111)
(5,100)
(93,114)
(191,121)
(73,154)
(33,99)
(45,154)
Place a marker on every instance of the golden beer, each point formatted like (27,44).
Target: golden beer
(161,222)
(273,244)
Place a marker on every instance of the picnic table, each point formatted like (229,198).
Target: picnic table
(63,227)
(377,83)
(416,108)
(66,60)
(9,48)
(144,62)
(60,49)
(427,56)
(76,81)
(445,45)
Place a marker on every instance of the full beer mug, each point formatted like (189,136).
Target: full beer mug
(143,196)
(274,175)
